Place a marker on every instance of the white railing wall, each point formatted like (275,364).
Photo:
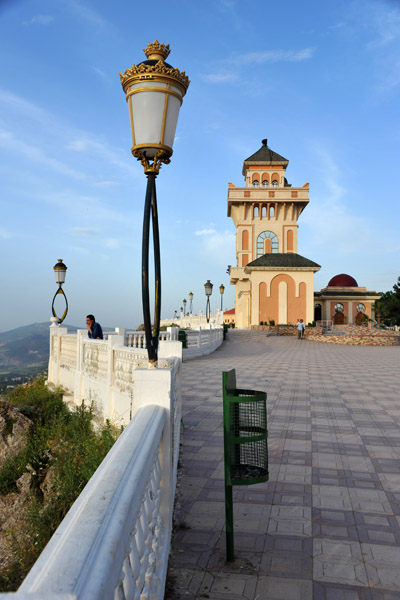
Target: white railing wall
(103,371)
(195,321)
(201,341)
(114,542)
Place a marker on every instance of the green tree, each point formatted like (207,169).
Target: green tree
(388,306)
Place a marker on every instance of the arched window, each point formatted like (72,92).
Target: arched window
(339,308)
(274,183)
(273,242)
(264,211)
(271,211)
(290,241)
(245,239)
(361,308)
(265,183)
(256,183)
(255,211)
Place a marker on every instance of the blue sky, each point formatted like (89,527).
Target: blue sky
(320,80)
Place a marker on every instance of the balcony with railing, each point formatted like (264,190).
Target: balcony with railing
(114,541)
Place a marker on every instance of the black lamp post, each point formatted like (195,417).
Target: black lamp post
(184,308)
(221,289)
(191,302)
(208,288)
(60,271)
(154,92)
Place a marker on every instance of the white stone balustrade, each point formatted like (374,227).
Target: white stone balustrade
(114,541)
(103,371)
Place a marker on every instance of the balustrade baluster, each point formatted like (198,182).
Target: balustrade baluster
(128,581)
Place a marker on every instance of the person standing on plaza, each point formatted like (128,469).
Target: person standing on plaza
(300,329)
(95,331)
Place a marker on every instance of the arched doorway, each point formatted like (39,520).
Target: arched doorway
(317,312)
(339,318)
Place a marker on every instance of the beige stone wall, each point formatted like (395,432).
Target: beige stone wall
(282,296)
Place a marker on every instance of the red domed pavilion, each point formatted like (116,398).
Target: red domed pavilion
(344,302)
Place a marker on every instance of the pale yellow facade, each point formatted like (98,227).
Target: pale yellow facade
(270,285)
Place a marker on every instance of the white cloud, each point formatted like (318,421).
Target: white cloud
(112,243)
(106,183)
(268,56)
(4,234)
(59,132)
(86,143)
(217,246)
(384,24)
(11,143)
(99,72)
(329,220)
(205,232)
(84,208)
(221,77)
(40,20)
(224,75)
(92,17)
(83,232)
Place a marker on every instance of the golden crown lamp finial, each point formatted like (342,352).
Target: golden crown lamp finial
(156,51)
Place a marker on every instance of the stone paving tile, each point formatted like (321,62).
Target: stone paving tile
(326,526)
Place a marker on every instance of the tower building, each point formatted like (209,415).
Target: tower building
(273,283)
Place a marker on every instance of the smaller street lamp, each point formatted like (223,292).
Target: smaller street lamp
(60,271)
(221,289)
(208,288)
(191,302)
(184,307)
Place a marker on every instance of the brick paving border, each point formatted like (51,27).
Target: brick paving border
(326,526)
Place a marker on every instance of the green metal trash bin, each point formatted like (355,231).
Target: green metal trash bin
(245,442)
(182,337)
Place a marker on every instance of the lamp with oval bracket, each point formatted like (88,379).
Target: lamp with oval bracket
(60,271)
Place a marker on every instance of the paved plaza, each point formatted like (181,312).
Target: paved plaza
(326,526)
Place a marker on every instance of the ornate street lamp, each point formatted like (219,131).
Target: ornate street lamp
(60,271)
(184,307)
(208,288)
(154,92)
(191,302)
(221,289)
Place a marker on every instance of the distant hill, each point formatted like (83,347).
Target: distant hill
(26,346)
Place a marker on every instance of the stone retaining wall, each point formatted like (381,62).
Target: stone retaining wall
(353,335)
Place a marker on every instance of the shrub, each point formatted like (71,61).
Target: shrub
(272,323)
(63,446)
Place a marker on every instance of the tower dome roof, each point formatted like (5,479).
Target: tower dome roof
(343,280)
(265,156)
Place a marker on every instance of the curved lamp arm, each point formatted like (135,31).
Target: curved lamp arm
(59,291)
